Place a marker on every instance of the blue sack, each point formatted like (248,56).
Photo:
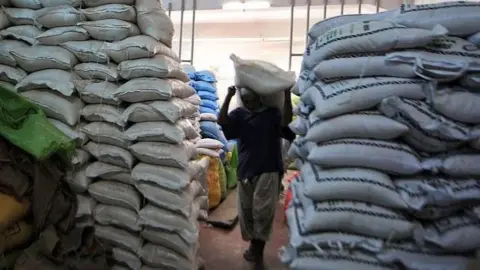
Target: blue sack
(212,130)
(203,86)
(204,109)
(204,76)
(207,95)
(209,104)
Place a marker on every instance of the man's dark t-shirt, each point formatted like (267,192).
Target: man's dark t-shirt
(258,135)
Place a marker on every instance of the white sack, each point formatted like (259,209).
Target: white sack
(158,218)
(160,66)
(105,133)
(457,104)
(109,172)
(111,154)
(456,165)
(471,81)
(111,11)
(4,23)
(444,59)
(102,113)
(96,3)
(475,39)
(44,57)
(110,215)
(460,17)
(169,240)
(97,92)
(261,77)
(65,109)
(363,124)
(209,144)
(437,197)
(155,132)
(110,29)
(148,89)
(20,16)
(54,3)
(7,85)
(193,99)
(89,71)
(84,222)
(459,233)
(386,156)
(165,154)
(59,16)
(54,79)
(85,206)
(360,94)
(80,158)
(356,184)
(166,177)
(32,4)
(11,74)
(361,65)
(323,26)
(163,258)
(77,180)
(120,238)
(88,51)
(179,202)
(357,217)
(138,47)
(59,35)
(73,133)
(126,258)
(171,110)
(209,152)
(153,21)
(428,131)
(367,36)
(6,46)
(26,33)
(114,193)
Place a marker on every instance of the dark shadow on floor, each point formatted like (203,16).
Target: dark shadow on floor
(222,250)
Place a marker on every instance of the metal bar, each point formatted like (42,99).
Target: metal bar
(297,54)
(170,9)
(182,11)
(359,6)
(309,4)
(342,6)
(378,5)
(325,9)
(193,31)
(292,9)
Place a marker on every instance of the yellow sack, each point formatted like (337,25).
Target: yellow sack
(11,210)
(223,179)
(213,180)
(15,236)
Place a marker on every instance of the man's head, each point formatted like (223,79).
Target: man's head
(250,99)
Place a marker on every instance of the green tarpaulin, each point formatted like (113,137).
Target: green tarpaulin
(25,125)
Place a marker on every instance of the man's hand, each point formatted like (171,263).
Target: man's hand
(231,91)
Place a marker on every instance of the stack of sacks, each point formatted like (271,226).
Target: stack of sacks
(133,85)
(41,70)
(388,143)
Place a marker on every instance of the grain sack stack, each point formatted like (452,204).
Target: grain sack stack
(388,142)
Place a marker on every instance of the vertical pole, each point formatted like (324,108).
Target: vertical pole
(193,31)
(182,11)
(292,9)
(325,4)
(309,4)
(378,5)
(342,6)
(170,9)
(359,6)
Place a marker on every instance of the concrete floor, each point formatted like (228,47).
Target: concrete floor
(222,249)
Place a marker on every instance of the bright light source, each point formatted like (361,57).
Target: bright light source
(233,5)
(238,5)
(257,5)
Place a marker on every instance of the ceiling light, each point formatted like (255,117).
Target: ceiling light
(233,5)
(257,5)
